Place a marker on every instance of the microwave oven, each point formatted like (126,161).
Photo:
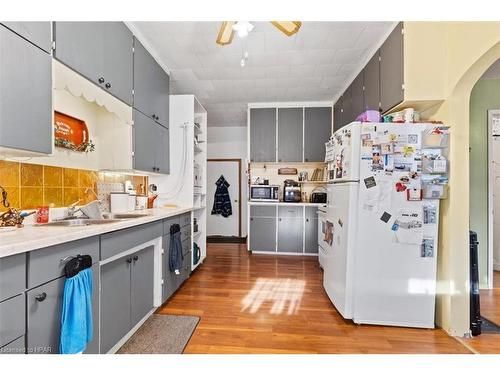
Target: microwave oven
(264,193)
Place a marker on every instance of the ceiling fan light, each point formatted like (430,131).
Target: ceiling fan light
(243,28)
(226,33)
(287,27)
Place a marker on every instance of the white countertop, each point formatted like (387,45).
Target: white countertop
(32,237)
(268,203)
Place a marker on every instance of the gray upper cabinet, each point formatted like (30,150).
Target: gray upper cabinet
(347,113)
(290,134)
(100,51)
(37,32)
(26,79)
(263,134)
(337,115)
(290,229)
(391,70)
(115,302)
(311,230)
(317,131)
(357,96)
(372,83)
(151,145)
(142,284)
(151,86)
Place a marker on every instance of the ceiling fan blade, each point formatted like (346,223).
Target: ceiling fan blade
(226,33)
(287,27)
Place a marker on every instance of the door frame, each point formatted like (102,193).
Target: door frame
(239,185)
(490,114)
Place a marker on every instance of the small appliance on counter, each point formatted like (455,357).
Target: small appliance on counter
(319,195)
(119,201)
(292,191)
(266,193)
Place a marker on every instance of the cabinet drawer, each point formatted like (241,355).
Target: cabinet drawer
(45,264)
(167,223)
(185,219)
(186,246)
(17,346)
(263,211)
(125,239)
(12,319)
(289,211)
(44,305)
(12,275)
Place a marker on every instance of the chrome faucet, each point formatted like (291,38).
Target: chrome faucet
(72,210)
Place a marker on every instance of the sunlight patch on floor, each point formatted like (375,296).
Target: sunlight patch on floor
(285,295)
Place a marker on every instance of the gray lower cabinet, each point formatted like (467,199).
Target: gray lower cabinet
(263,134)
(391,69)
(372,83)
(26,77)
(126,295)
(12,275)
(311,230)
(290,134)
(290,229)
(151,86)
(100,51)
(115,302)
(37,32)
(169,278)
(12,323)
(262,228)
(44,317)
(317,131)
(151,145)
(18,346)
(44,306)
(142,284)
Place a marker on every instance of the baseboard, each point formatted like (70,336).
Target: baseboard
(226,239)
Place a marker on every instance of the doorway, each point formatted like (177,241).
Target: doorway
(220,228)
(485,188)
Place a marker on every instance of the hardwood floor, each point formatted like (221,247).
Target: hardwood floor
(488,343)
(270,304)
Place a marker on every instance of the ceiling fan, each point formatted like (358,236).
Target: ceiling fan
(228,28)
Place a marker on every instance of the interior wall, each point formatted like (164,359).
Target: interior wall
(484,96)
(230,142)
(470,49)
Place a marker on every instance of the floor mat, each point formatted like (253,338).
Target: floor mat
(487,326)
(161,334)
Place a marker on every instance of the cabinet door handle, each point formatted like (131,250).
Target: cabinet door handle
(136,258)
(129,260)
(279,219)
(41,297)
(101,80)
(307,220)
(108,85)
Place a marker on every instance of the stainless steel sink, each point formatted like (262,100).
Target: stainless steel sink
(79,222)
(124,216)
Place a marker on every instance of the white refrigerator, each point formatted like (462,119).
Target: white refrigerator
(384,207)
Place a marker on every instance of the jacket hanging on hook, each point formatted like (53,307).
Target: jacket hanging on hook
(222,201)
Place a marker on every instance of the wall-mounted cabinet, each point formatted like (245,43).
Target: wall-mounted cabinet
(151,86)
(37,32)
(26,81)
(262,134)
(380,85)
(287,133)
(337,114)
(100,51)
(150,144)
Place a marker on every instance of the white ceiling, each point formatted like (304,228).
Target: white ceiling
(315,64)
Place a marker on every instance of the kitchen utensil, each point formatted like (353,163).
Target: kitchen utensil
(151,200)
(141,202)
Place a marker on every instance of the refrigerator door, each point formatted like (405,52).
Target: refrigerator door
(338,265)
(346,144)
(395,275)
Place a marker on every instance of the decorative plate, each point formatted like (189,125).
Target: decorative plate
(71,133)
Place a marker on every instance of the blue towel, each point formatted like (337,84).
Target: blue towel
(76,316)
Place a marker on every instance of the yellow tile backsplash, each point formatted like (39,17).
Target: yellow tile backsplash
(32,185)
